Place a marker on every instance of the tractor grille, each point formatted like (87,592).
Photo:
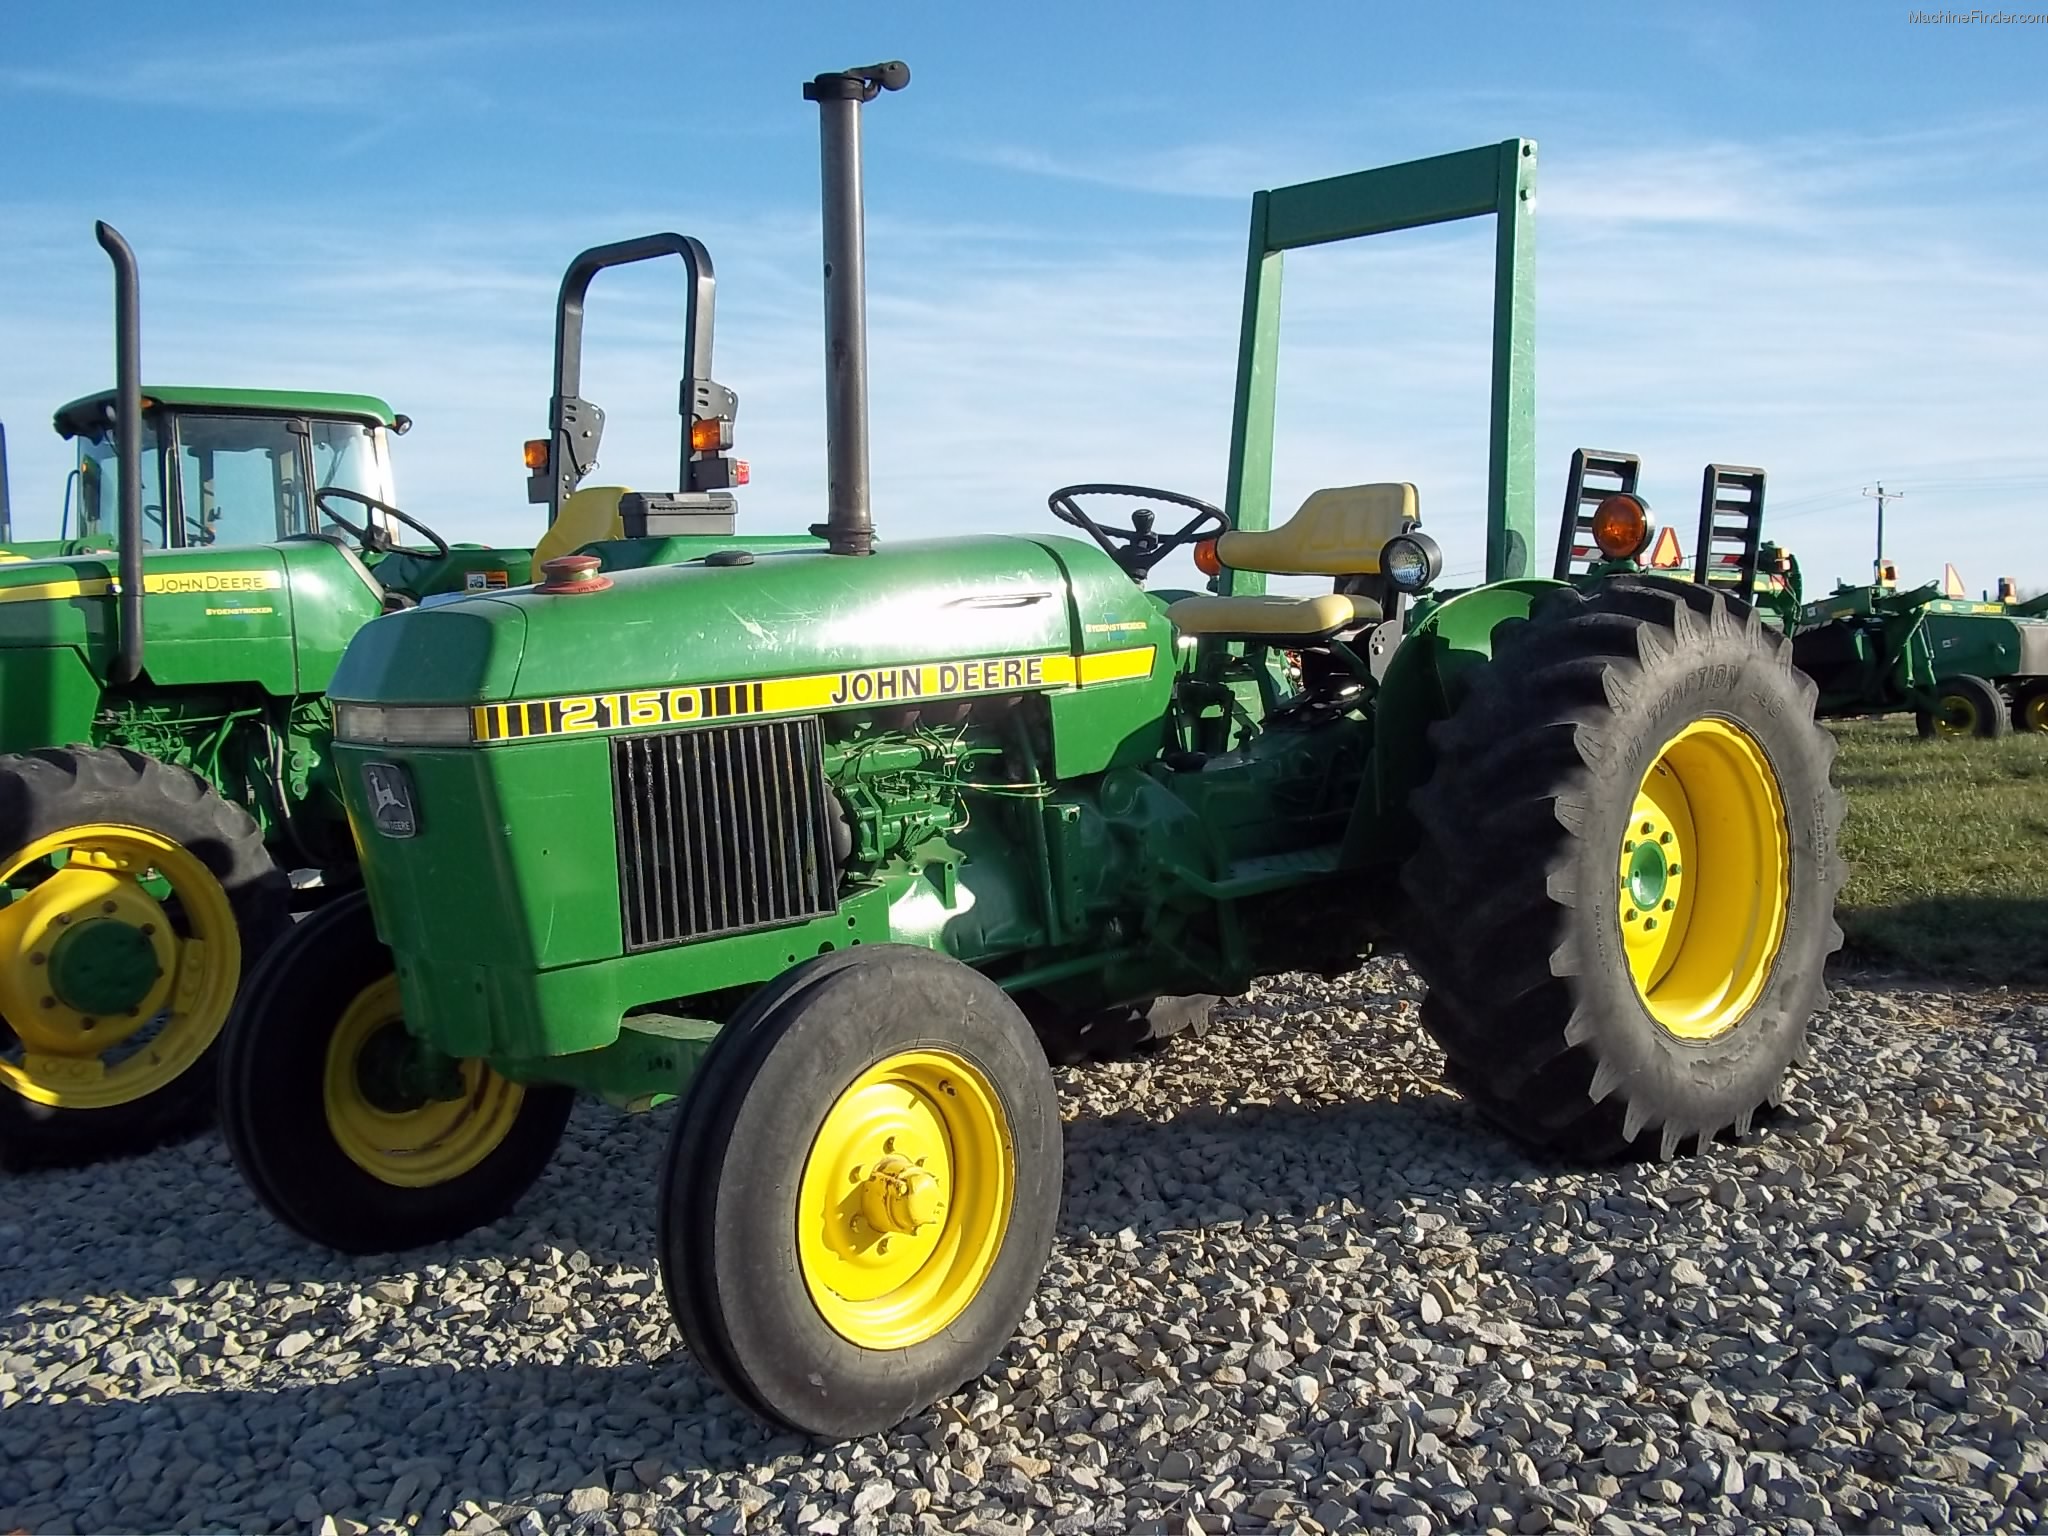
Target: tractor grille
(721,831)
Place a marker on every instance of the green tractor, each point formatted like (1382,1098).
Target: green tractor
(167,794)
(803,839)
(1963,667)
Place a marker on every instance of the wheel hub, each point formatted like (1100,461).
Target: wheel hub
(1648,875)
(899,1196)
(102,967)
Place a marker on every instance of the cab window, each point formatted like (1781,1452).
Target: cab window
(242,479)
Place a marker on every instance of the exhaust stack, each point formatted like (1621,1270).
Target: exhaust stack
(127,445)
(849,527)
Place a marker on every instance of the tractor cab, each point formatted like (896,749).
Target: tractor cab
(226,467)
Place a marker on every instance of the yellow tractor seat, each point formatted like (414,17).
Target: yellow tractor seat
(1335,532)
(1295,620)
(587,517)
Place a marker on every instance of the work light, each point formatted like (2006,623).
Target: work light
(1411,561)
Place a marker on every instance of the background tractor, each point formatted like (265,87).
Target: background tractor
(1963,667)
(167,794)
(803,837)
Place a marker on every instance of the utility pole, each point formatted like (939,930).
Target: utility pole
(1882,496)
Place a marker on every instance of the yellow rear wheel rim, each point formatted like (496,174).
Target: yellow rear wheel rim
(145,896)
(1705,880)
(420,1144)
(2034,714)
(905,1199)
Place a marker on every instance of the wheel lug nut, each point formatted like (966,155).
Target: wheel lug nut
(107,907)
(1628,847)
(1649,922)
(1663,837)
(38,958)
(49,1002)
(1672,870)
(1648,828)
(882,1246)
(1669,904)
(148,929)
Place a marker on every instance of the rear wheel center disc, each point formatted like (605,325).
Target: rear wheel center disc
(1648,875)
(103,967)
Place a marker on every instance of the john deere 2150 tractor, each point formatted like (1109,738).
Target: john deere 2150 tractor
(165,778)
(803,838)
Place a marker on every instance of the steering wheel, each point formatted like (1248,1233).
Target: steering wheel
(1138,547)
(374,539)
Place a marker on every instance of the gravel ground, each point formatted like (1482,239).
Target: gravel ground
(1299,1287)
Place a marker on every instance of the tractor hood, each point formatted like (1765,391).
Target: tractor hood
(852,629)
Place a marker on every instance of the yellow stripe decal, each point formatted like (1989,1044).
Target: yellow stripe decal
(167,583)
(869,687)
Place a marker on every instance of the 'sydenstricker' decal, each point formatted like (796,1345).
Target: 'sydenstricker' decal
(169,583)
(643,708)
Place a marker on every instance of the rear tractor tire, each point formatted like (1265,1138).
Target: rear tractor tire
(1963,706)
(1623,896)
(133,900)
(345,1134)
(861,1190)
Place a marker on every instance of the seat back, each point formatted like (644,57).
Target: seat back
(1338,531)
(587,517)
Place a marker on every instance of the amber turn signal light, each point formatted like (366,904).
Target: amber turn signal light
(1207,561)
(710,434)
(536,453)
(1621,526)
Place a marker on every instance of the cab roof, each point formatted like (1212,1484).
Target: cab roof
(86,413)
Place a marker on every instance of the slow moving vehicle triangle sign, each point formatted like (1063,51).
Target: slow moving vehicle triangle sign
(1665,554)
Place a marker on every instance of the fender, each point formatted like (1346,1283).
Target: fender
(1425,679)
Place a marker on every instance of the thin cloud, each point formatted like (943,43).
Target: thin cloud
(324,77)
(1734,321)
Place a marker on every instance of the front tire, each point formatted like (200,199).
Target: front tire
(1599,988)
(1963,706)
(133,900)
(330,1119)
(861,1190)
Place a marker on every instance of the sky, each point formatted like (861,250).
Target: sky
(1808,239)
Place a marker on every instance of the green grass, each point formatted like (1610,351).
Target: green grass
(1947,843)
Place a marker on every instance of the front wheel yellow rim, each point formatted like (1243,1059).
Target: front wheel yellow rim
(387,1126)
(119,960)
(905,1199)
(1955,715)
(1705,880)
(2034,713)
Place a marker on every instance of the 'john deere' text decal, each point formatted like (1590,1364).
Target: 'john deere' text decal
(643,708)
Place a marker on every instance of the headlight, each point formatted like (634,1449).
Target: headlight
(1411,561)
(402,725)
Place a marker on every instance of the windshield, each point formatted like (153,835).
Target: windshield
(99,483)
